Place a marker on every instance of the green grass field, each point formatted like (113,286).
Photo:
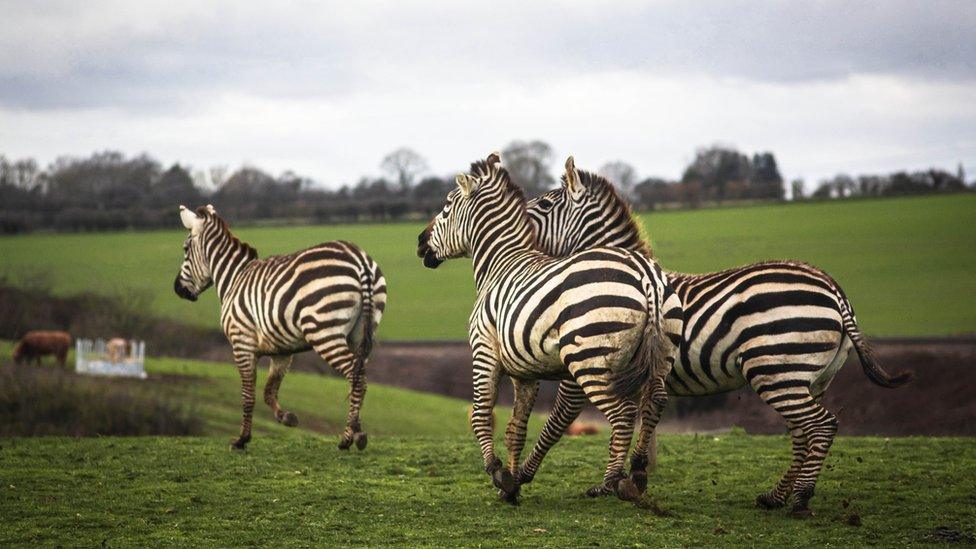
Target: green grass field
(420,482)
(907,264)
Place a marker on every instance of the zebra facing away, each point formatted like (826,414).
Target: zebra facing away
(591,320)
(783,327)
(328,298)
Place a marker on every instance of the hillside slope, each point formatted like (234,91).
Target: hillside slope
(906,263)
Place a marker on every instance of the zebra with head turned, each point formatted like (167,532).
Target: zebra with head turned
(783,327)
(329,298)
(591,320)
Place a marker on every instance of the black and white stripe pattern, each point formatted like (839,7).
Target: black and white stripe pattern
(591,320)
(329,298)
(783,327)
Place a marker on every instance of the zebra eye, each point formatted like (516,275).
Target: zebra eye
(545,204)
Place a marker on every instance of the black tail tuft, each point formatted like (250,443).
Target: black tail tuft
(874,371)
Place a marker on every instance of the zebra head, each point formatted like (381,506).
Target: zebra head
(584,212)
(195,276)
(448,235)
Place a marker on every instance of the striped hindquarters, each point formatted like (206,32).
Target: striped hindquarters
(786,314)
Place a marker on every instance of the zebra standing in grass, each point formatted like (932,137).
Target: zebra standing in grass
(593,320)
(329,298)
(783,327)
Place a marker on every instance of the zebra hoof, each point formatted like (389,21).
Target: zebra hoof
(360,440)
(767,500)
(801,512)
(597,491)
(639,478)
(288,419)
(504,481)
(240,443)
(345,443)
(511,498)
(626,490)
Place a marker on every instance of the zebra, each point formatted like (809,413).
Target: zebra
(591,321)
(329,298)
(783,327)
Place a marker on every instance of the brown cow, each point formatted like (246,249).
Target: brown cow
(38,343)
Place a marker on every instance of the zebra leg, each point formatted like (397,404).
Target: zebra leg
(487,375)
(820,428)
(569,402)
(777,497)
(246,362)
(653,401)
(279,367)
(622,414)
(334,349)
(525,394)
(789,394)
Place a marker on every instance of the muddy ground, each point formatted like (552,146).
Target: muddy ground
(941,400)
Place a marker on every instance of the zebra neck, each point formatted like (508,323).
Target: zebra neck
(496,251)
(227,256)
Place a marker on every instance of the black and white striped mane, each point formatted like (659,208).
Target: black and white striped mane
(224,229)
(606,194)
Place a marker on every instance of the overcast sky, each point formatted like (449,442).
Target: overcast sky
(327,90)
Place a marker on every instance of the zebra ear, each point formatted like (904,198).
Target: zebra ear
(190,219)
(494,160)
(573,184)
(467,184)
(211,209)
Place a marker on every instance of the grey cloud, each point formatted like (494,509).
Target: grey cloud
(186,59)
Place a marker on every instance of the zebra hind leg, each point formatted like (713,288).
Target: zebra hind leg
(778,496)
(812,426)
(653,403)
(334,349)
(820,430)
(525,395)
(622,414)
(570,400)
(279,367)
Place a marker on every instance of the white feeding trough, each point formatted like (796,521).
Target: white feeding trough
(117,357)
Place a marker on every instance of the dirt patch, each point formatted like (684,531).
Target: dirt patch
(938,402)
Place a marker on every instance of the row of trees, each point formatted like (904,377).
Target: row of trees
(110,191)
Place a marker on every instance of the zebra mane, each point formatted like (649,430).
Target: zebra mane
(498,173)
(223,228)
(602,188)
(501,175)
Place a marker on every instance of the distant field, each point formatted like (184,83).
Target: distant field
(907,264)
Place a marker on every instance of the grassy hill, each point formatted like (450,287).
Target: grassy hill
(905,263)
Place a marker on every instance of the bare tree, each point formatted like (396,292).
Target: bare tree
(621,174)
(528,163)
(404,165)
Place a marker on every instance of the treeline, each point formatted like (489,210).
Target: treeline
(111,191)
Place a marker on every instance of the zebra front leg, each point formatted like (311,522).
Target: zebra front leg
(246,361)
(487,374)
(525,394)
(569,402)
(279,367)
(653,402)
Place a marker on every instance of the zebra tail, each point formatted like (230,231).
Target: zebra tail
(872,369)
(366,315)
(647,364)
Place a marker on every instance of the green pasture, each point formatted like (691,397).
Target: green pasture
(907,264)
(299,490)
(420,482)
